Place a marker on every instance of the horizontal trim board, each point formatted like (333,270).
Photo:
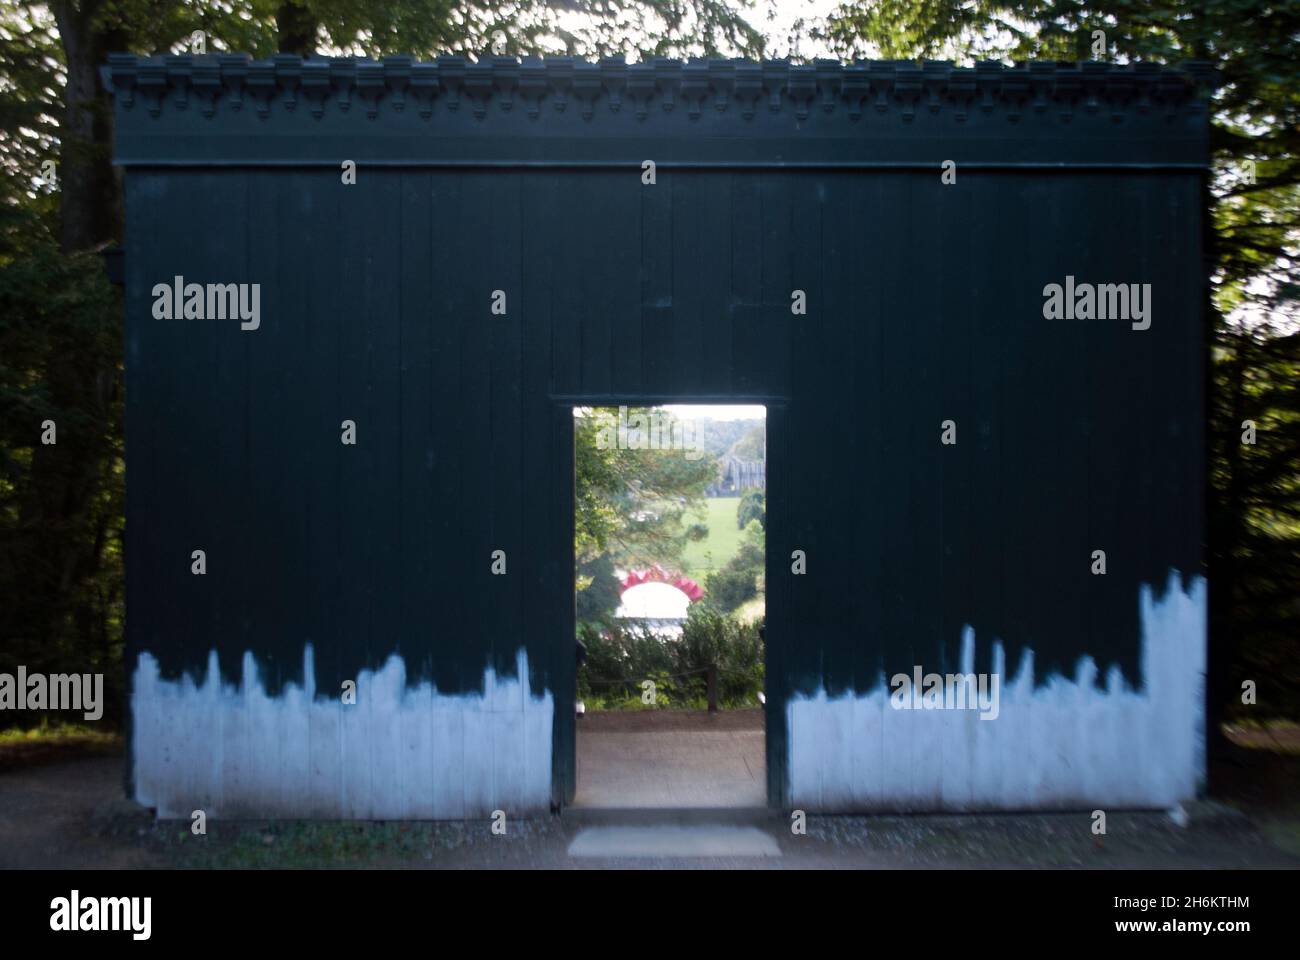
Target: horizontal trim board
(885,165)
(642,399)
(587,146)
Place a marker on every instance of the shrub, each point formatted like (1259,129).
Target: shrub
(737,581)
(751,507)
(736,649)
(600,591)
(621,658)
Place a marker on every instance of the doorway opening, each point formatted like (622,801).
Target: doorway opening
(670,521)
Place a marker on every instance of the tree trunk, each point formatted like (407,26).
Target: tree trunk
(90,205)
(296,28)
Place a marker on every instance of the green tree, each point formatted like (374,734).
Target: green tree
(1257,487)
(635,503)
(737,581)
(60,458)
(751,507)
(599,592)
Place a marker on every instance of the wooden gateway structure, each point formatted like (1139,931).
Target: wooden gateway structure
(363,298)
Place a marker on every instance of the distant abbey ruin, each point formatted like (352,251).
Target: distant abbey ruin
(735,476)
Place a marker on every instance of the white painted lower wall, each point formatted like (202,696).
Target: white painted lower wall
(1057,743)
(398,753)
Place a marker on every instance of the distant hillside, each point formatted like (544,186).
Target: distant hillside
(751,444)
(720,436)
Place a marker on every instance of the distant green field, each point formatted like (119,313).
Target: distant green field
(722,542)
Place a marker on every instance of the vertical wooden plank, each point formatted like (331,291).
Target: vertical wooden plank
(658,308)
(561,610)
(713,276)
(355,505)
(319,420)
(505,700)
(505,434)
(322,416)
(272,261)
(265,559)
(297,301)
(780,626)
(775,330)
(760,336)
(955,323)
(990,496)
(451,643)
(477,781)
(380,237)
(811,532)
(1072,353)
(618,243)
(569,290)
(589,281)
(188,611)
(548,578)
(419,625)
(860,317)
(358,723)
(447,732)
(690,235)
(481,273)
(920,288)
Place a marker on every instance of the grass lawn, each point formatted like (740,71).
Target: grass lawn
(20,748)
(721,544)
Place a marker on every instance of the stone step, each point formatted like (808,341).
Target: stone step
(591,816)
(673,841)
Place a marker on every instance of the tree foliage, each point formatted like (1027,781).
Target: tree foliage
(737,582)
(752,506)
(622,657)
(634,503)
(61,501)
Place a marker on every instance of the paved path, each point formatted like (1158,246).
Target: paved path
(72,814)
(671,758)
(51,816)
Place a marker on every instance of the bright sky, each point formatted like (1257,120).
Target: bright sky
(712,411)
(784,14)
(717,411)
(776,19)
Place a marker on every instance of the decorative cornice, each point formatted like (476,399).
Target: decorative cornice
(557,84)
(228,110)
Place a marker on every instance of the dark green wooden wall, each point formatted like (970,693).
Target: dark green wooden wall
(924,304)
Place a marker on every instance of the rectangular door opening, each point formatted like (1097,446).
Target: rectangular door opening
(670,596)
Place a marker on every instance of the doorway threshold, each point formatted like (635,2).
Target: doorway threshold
(671,760)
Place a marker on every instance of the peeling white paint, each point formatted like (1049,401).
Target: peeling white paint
(398,753)
(1059,744)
